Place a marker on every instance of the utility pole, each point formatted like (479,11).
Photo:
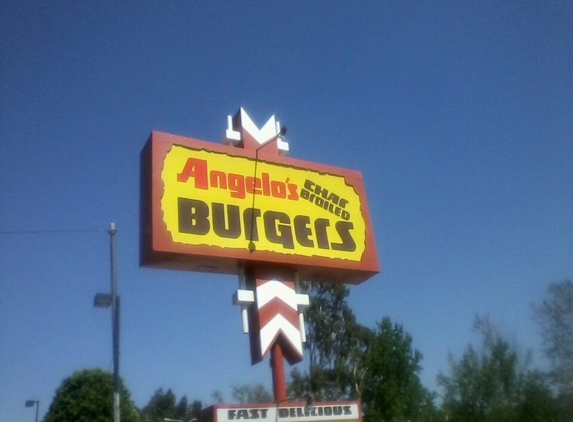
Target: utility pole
(115,323)
(105,300)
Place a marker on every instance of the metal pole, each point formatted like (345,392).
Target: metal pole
(37,408)
(115,323)
(278,373)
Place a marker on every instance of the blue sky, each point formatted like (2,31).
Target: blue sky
(458,114)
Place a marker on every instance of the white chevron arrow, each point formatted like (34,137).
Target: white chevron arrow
(274,327)
(274,288)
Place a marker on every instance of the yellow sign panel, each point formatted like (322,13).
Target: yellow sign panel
(215,199)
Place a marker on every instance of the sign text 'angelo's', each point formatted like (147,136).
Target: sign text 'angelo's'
(216,199)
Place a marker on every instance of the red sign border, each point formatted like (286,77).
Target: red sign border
(157,250)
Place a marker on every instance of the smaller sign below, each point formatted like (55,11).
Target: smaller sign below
(284,412)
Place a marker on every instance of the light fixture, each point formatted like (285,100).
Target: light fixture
(102,300)
(31,403)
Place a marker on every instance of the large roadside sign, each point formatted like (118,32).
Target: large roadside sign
(215,208)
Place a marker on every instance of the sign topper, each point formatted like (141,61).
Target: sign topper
(217,208)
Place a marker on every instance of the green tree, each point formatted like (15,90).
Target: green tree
(390,387)
(350,361)
(252,394)
(555,317)
(161,405)
(537,402)
(217,397)
(165,405)
(87,396)
(493,384)
(333,345)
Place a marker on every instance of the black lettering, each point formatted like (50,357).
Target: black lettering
(193,216)
(320,226)
(264,413)
(302,231)
(229,227)
(277,228)
(328,411)
(347,410)
(243,414)
(292,412)
(343,229)
(250,216)
(309,185)
(231,414)
(319,190)
(324,199)
(283,413)
(254,413)
(337,410)
(334,198)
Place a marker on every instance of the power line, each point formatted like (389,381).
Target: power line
(71,231)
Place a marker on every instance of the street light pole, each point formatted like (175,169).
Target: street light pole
(115,322)
(30,403)
(105,300)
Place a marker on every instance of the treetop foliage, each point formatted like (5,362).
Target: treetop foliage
(256,393)
(350,361)
(555,318)
(493,384)
(391,387)
(164,404)
(87,396)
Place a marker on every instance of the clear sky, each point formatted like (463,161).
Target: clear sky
(458,114)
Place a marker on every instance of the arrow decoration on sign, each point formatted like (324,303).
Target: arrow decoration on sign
(277,304)
(275,315)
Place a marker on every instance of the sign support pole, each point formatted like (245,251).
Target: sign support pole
(278,370)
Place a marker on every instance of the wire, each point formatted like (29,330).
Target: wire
(52,231)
